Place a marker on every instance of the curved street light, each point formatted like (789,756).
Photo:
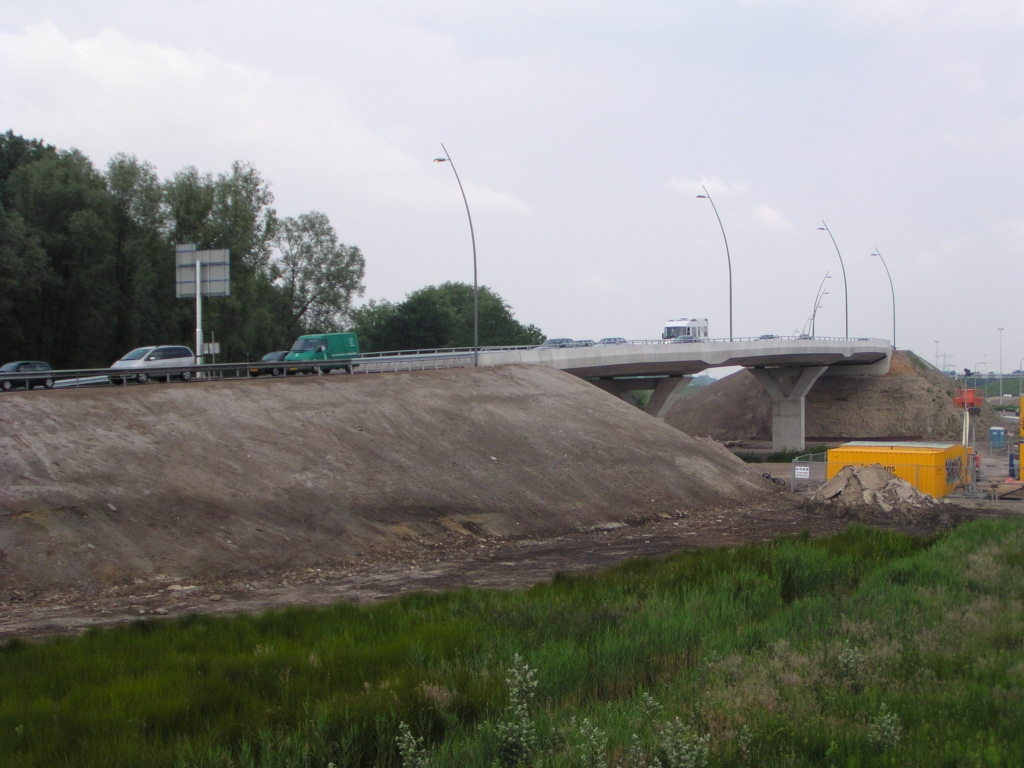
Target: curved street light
(472,237)
(846,294)
(822,293)
(728,258)
(878,253)
(1000,364)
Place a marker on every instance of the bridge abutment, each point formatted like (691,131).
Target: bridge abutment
(788,388)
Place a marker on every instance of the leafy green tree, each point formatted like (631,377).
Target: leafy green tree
(24,277)
(64,202)
(87,258)
(233,210)
(440,316)
(318,275)
(143,258)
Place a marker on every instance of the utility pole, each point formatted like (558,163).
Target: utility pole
(472,236)
(846,293)
(728,258)
(1000,365)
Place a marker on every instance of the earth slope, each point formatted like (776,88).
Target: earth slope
(913,401)
(102,486)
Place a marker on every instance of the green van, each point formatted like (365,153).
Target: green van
(333,348)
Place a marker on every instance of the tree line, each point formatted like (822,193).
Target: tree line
(87,259)
(87,267)
(440,316)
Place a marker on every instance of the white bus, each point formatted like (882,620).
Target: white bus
(686,329)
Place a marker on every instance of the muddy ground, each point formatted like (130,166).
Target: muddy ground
(102,487)
(459,560)
(226,497)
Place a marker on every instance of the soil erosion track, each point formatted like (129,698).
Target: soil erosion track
(99,487)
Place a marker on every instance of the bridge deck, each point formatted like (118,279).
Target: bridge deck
(652,359)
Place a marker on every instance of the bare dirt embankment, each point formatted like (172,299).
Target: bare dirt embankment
(913,401)
(107,486)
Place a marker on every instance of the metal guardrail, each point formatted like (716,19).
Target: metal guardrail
(747,339)
(86,377)
(367,362)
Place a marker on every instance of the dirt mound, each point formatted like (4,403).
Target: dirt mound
(914,400)
(106,485)
(871,484)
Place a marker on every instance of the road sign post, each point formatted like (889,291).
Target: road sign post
(210,270)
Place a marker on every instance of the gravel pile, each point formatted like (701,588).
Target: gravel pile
(872,485)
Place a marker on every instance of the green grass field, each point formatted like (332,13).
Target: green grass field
(864,649)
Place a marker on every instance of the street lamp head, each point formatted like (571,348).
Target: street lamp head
(440,159)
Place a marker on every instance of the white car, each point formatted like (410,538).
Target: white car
(146,362)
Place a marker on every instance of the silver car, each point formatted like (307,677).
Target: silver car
(146,362)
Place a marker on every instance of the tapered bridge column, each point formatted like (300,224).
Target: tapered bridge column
(788,388)
(667,389)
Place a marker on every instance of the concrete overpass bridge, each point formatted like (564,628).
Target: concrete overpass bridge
(786,367)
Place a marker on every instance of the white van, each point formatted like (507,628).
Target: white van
(686,329)
(146,362)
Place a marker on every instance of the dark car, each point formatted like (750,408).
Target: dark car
(25,366)
(270,357)
(557,344)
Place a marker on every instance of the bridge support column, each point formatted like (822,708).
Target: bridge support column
(611,386)
(788,388)
(667,389)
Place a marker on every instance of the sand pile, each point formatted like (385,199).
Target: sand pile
(872,485)
(106,485)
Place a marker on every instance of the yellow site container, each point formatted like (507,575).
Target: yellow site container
(933,468)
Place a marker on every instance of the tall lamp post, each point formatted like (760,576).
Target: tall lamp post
(1000,365)
(846,294)
(878,253)
(817,301)
(472,237)
(728,258)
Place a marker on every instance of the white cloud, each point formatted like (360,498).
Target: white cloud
(715,186)
(110,93)
(770,218)
(598,283)
(962,76)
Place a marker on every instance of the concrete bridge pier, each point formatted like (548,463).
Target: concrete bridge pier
(667,389)
(788,388)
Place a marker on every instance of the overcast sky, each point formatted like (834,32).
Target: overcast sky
(583,132)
